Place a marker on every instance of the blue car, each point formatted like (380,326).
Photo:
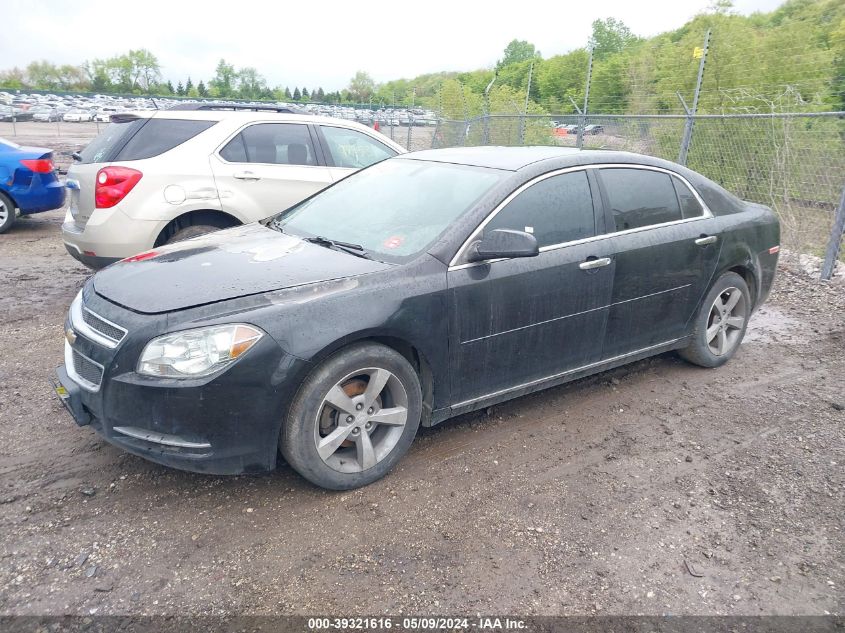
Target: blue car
(28,182)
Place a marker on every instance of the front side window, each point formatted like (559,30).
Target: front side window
(395,209)
(555,210)
(640,197)
(350,148)
(272,143)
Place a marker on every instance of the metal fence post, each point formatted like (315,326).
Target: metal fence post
(485,137)
(833,246)
(525,107)
(582,121)
(685,141)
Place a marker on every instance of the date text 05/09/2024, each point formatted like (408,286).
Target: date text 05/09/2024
(417,623)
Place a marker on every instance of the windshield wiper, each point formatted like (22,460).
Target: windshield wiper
(346,247)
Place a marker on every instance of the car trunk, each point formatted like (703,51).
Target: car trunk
(99,153)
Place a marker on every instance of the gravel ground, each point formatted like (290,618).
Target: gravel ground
(655,488)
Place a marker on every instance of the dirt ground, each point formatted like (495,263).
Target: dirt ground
(655,488)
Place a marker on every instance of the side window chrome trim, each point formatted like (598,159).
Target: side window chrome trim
(454,265)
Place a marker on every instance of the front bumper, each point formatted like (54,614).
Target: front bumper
(225,424)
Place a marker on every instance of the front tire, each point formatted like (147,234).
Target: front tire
(7,213)
(353,418)
(721,323)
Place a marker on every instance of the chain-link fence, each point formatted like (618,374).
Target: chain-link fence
(794,163)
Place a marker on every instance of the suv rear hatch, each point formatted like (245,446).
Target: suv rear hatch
(128,137)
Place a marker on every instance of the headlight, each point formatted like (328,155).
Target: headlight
(196,353)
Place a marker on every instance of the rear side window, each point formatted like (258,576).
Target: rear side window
(555,210)
(690,206)
(640,197)
(272,143)
(135,139)
(159,136)
(350,148)
(110,140)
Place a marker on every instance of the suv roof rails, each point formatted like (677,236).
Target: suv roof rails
(245,107)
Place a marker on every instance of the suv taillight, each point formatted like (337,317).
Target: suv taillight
(38,165)
(113,183)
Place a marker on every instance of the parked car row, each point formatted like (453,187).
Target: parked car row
(572,128)
(101,107)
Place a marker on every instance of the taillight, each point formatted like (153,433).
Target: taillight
(113,183)
(140,257)
(38,165)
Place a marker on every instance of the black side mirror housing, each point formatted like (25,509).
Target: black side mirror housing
(503,244)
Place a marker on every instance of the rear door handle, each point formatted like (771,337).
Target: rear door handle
(594,263)
(705,240)
(246,175)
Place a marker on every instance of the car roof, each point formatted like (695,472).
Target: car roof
(538,158)
(507,158)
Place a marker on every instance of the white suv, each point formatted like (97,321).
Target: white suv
(161,176)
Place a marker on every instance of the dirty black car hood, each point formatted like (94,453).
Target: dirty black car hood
(228,264)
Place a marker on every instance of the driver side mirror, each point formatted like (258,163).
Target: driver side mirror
(503,244)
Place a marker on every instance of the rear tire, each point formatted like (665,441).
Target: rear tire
(353,418)
(7,213)
(720,324)
(188,232)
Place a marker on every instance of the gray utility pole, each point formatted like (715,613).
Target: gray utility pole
(582,121)
(486,133)
(525,107)
(835,242)
(685,142)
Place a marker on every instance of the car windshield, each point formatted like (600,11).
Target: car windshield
(394,210)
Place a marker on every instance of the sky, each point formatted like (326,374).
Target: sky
(321,44)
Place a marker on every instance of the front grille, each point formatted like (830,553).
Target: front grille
(87,369)
(103,327)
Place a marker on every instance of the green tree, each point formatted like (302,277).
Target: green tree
(12,78)
(321,96)
(202,91)
(225,79)
(305,94)
(252,85)
(361,87)
(180,89)
(189,86)
(296,94)
(287,93)
(144,68)
(169,87)
(517,51)
(610,36)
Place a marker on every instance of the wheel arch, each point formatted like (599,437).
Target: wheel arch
(411,352)
(212,217)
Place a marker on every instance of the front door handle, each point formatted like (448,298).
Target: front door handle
(246,175)
(590,264)
(706,239)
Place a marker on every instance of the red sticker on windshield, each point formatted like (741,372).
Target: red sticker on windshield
(394,242)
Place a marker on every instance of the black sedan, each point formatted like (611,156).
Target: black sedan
(429,285)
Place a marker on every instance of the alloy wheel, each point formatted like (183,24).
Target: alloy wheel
(361,419)
(4,212)
(726,321)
